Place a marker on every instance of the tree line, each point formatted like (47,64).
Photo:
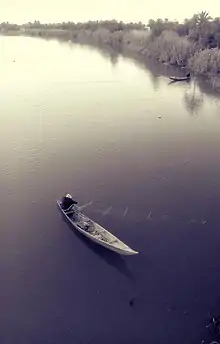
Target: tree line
(193,43)
(201,29)
(111,25)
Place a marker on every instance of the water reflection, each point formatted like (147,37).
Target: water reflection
(149,67)
(175,81)
(210,87)
(114,59)
(193,100)
(155,81)
(110,54)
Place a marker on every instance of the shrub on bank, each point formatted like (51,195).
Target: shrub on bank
(206,62)
(170,48)
(136,41)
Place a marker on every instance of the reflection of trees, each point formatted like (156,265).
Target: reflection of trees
(193,101)
(193,104)
(152,68)
(114,59)
(155,81)
(211,87)
(109,53)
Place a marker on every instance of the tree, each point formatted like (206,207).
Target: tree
(202,23)
(151,24)
(203,17)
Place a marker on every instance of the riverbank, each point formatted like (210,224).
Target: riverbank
(190,51)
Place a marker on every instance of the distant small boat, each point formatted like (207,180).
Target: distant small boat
(180,78)
(91,229)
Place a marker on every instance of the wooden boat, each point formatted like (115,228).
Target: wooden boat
(94,231)
(177,78)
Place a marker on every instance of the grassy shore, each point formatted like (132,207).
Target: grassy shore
(193,44)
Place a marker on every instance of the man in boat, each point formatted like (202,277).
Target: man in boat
(68,203)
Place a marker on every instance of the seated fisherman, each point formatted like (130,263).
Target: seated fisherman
(68,203)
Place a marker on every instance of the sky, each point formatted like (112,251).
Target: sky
(20,11)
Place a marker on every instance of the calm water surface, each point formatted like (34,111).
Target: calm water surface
(71,121)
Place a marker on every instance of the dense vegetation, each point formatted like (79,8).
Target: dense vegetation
(111,25)
(194,44)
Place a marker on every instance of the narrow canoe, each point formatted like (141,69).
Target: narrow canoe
(176,78)
(95,232)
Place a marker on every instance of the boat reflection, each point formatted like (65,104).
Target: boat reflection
(110,257)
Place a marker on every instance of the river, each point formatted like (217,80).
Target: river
(146,153)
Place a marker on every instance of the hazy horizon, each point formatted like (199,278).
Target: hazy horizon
(126,10)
